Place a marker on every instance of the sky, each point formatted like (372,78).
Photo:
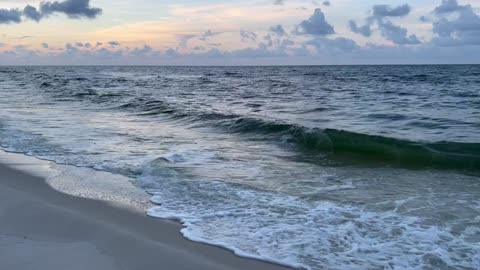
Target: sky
(247,32)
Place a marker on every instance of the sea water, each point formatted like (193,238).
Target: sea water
(319,167)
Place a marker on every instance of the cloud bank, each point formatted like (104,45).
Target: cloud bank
(463,29)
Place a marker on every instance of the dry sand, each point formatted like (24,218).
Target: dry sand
(41,228)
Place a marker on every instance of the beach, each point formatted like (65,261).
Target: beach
(42,228)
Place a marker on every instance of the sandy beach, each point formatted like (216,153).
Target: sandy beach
(41,228)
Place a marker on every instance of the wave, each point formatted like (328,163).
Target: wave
(337,145)
(365,147)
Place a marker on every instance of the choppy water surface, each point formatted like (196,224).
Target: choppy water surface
(322,167)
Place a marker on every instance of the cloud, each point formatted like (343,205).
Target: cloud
(83,45)
(207,34)
(315,25)
(464,29)
(113,43)
(145,51)
(45,45)
(424,19)
(278,42)
(387,11)
(278,30)
(388,30)
(334,45)
(326,3)
(24,37)
(32,13)
(364,30)
(397,34)
(74,9)
(10,16)
(70,49)
(247,36)
(184,39)
(453,24)
(448,6)
(279,2)
(326,51)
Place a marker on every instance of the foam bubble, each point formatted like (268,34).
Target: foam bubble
(301,233)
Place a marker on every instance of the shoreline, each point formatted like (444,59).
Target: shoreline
(52,230)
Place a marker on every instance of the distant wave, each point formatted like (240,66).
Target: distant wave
(337,144)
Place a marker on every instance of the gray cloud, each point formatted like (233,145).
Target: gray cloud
(334,45)
(45,45)
(279,2)
(424,19)
(21,48)
(326,3)
(24,37)
(277,41)
(397,34)
(70,49)
(83,45)
(32,13)
(74,9)
(208,34)
(247,36)
(10,16)
(315,25)
(448,6)
(268,38)
(464,29)
(387,11)
(388,30)
(113,43)
(364,30)
(144,51)
(278,30)
(328,51)
(184,39)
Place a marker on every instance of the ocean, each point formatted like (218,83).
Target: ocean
(318,167)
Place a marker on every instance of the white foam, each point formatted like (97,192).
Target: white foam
(78,181)
(99,185)
(312,235)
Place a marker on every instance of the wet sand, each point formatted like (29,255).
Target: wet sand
(41,228)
